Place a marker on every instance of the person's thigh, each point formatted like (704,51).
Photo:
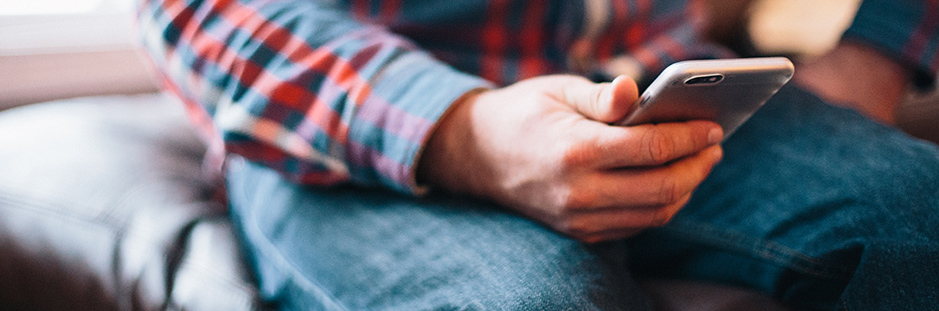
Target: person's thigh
(359,249)
(815,204)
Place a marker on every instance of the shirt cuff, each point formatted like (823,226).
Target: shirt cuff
(391,136)
(906,30)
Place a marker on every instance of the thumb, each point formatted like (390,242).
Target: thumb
(604,102)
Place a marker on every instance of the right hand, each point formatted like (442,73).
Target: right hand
(544,147)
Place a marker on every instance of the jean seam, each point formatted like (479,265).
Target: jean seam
(266,249)
(760,248)
(283,265)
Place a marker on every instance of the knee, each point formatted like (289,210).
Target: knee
(570,276)
(552,289)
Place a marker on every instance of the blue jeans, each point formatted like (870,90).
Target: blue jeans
(812,204)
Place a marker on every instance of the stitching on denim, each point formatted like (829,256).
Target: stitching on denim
(306,284)
(760,248)
(277,258)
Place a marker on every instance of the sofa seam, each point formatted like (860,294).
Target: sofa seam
(40,206)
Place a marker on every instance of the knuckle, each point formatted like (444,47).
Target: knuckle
(577,200)
(668,190)
(665,214)
(598,105)
(660,217)
(666,218)
(576,154)
(591,239)
(575,227)
(660,147)
(596,94)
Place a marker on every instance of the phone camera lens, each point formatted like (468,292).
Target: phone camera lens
(708,79)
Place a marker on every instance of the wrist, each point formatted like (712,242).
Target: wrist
(441,163)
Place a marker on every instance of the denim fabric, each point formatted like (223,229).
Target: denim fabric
(361,249)
(813,204)
(816,205)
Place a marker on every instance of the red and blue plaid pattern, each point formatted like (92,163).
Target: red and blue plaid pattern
(340,91)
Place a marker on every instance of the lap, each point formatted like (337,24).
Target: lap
(352,248)
(809,200)
(803,191)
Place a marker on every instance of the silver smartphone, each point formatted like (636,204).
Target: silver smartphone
(726,91)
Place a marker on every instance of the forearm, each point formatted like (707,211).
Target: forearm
(858,77)
(301,87)
(902,30)
(881,55)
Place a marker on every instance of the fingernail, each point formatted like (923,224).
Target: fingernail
(617,79)
(715,135)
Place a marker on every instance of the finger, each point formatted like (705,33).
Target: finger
(649,187)
(620,223)
(611,235)
(649,145)
(603,102)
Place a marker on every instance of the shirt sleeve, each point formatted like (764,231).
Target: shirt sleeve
(676,32)
(301,87)
(907,30)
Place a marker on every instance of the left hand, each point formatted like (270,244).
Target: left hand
(857,77)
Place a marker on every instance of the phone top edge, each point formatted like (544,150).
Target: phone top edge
(723,62)
(734,70)
(767,75)
(730,65)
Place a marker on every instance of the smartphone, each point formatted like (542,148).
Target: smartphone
(726,91)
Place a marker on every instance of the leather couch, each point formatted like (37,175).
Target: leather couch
(104,206)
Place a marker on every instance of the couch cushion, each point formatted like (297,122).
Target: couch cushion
(103,205)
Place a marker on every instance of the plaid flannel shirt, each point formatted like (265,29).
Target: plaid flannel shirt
(334,91)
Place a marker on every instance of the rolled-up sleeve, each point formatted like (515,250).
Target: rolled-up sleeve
(303,88)
(907,30)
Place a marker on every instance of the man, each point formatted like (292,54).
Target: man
(348,112)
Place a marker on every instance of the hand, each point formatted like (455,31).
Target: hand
(544,147)
(857,77)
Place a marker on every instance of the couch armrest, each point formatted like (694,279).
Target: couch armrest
(103,205)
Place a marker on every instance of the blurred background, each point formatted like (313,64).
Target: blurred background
(51,49)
